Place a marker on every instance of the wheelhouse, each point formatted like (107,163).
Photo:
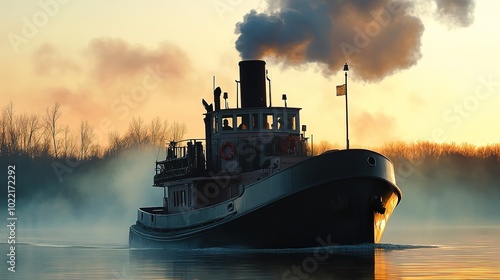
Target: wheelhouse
(241,146)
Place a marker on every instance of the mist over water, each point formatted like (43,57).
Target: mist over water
(449,191)
(92,202)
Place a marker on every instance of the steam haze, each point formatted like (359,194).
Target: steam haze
(377,38)
(91,203)
(450,190)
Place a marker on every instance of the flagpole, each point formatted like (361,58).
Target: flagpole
(346,68)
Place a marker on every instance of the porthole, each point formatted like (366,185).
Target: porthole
(371,161)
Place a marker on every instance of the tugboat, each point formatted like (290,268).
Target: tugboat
(253,183)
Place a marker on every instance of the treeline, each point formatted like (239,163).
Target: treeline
(426,149)
(45,136)
(421,150)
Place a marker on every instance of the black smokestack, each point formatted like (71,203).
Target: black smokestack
(253,83)
(376,37)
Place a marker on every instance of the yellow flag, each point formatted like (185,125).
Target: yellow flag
(341,90)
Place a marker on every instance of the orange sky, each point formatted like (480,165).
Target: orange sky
(110,61)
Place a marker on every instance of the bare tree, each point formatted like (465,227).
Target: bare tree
(44,150)
(115,142)
(158,132)
(33,135)
(3,135)
(322,147)
(11,134)
(52,116)
(94,152)
(86,137)
(23,132)
(178,130)
(67,143)
(137,132)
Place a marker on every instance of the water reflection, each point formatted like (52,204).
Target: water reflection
(475,256)
(367,262)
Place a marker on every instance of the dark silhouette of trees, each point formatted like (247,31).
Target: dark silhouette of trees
(116,144)
(322,146)
(86,139)
(29,132)
(51,118)
(10,135)
(137,132)
(67,143)
(177,131)
(46,137)
(37,136)
(20,134)
(159,132)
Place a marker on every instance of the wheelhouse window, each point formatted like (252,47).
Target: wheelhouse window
(292,122)
(227,122)
(243,121)
(181,198)
(267,121)
(279,122)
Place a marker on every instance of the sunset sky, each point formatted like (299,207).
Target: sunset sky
(417,72)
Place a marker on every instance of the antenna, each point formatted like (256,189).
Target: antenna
(346,69)
(270,100)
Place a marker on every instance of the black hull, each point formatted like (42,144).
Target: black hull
(332,199)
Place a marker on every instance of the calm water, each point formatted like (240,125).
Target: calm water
(444,253)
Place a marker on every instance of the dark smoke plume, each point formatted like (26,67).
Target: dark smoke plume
(377,38)
(456,12)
